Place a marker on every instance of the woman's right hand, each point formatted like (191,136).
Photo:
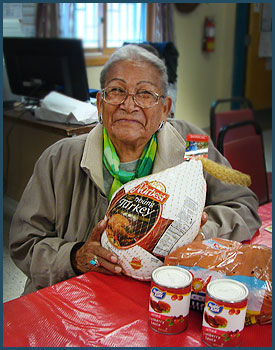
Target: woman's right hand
(108,262)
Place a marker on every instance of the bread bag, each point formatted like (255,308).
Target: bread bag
(219,258)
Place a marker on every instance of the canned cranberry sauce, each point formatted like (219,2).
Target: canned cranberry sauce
(224,313)
(169,299)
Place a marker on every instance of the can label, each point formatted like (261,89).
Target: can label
(169,308)
(223,322)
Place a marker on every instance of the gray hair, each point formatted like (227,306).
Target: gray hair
(136,53)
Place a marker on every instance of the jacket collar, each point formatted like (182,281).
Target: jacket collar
(92,156)
(170,152)
(171,149)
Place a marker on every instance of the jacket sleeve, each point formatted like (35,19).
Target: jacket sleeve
(232,209)
(35,247)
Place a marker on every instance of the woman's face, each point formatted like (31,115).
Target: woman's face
(127,122)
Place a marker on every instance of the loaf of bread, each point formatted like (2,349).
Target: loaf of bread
(217,258)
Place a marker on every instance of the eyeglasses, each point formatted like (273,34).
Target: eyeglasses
(142,98)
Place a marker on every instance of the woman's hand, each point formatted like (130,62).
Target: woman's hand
(91,248)
(200,236)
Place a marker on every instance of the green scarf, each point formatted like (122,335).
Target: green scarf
(112,162)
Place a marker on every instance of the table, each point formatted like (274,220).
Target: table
(24,140)
(96,310)
(25,117)
(262,236)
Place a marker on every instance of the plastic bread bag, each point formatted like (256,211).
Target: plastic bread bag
(150,217)
(220,258)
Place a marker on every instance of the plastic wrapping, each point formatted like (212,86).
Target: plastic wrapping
(150,217)
(217,258)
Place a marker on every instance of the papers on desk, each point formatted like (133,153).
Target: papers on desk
(59,108)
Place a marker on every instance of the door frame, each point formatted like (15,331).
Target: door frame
(241,37)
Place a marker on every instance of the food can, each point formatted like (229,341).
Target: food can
(224,313)
(169,299)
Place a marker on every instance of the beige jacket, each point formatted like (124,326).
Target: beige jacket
(65,198)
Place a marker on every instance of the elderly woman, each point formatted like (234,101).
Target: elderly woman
(57,227)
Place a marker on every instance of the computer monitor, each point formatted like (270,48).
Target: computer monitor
(37,66)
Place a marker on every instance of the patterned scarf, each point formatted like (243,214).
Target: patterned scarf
(112,162)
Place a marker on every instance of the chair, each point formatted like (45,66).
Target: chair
(246,154)
(220,119)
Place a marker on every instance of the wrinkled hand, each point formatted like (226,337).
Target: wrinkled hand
(200,236)
(91,248)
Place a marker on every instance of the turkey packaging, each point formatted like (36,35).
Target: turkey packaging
(150,217)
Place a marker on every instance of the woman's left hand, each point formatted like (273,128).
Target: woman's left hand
(200,236)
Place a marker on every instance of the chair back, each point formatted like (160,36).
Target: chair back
(246,154)
(220,119)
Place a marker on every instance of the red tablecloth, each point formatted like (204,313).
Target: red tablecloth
(98,310)
(263,236)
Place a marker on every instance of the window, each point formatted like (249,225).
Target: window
(125,22)
(105,26)
(87,24)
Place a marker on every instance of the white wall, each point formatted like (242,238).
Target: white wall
(93,77)
(203,78)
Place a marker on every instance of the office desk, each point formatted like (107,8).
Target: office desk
(25,117)
(24,139)
(96,310)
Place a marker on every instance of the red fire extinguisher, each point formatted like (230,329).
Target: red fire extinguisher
(209,35)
